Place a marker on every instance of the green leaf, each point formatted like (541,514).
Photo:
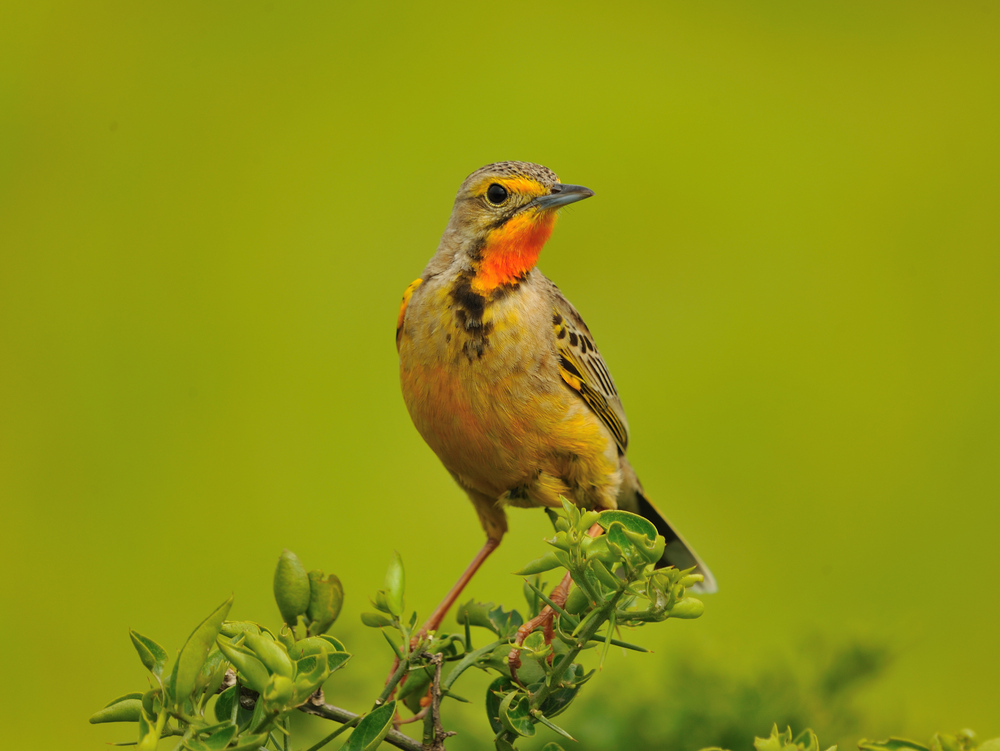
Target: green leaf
(629,521)
(236,628)
(552,746)
(250,742)
(225,704)
(576,601)
(485,615)
(129,695)
(215,742)
(372,729)
(636,547)
(195,652)
(150,729)
(515,714)
(415,688)
(271,653)
(311,645)
(153,656)
(547,562)
(338,645)
(603,575)
(291,587)
(551,725)
(376,620)
(326,597)
(126,709)
(279,692)
(395,584)
(494,695)
(558,700)
(252,671)
(597,549)
(213,673)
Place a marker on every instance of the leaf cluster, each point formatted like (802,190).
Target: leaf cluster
(615,586)
(234,683)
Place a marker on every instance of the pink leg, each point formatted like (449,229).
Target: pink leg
(441,611)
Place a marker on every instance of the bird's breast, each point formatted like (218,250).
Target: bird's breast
(481,382)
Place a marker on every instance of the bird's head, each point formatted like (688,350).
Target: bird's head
(503,215)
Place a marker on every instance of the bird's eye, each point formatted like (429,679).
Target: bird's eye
(496,194)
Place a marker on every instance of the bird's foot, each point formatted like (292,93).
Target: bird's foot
(543,620)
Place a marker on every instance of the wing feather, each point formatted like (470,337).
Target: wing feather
(583,369)
(402,308)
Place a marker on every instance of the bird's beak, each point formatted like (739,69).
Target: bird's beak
(562,195)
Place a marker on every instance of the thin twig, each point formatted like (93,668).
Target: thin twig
(316,706)
(434,732)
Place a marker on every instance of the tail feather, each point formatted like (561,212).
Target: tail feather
(677,553)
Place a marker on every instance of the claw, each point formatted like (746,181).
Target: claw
(545,619)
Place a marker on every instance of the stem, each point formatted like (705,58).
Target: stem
(390,685)
(468,661)
(349,719)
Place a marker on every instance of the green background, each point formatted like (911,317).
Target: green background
(209,211)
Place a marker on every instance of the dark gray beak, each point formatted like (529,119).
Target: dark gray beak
(562,195)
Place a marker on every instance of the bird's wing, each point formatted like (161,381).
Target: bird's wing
(583,369)
(402,308)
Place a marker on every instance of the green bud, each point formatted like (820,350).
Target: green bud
(376,620)
(395,583)
(326,597)
(689,607)
(291,587)
(547,562)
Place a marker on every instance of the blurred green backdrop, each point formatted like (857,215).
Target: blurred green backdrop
(209,211)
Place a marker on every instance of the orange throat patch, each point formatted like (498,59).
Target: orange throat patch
(511,251)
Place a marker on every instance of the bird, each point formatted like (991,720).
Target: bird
(503,379)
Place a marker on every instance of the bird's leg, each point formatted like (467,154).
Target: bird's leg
(546,617)
(432,623)
(441,611)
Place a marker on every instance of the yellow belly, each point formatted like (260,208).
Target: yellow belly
(502,421)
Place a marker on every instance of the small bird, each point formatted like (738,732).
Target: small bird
(502,377)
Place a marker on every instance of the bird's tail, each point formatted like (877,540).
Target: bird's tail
(677,553)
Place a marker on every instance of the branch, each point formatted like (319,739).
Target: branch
(316,706)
